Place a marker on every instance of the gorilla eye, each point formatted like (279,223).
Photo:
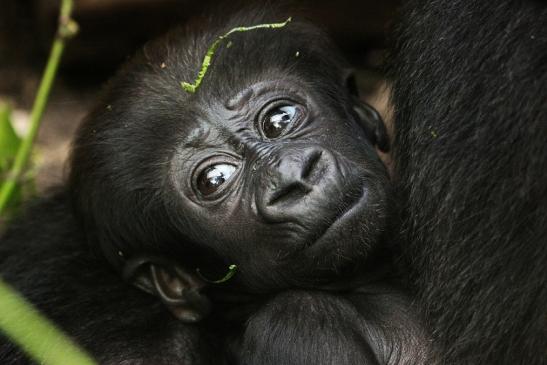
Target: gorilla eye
(212,177)
(276,121)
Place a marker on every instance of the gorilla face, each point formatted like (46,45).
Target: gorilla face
(270,165)
(279,181)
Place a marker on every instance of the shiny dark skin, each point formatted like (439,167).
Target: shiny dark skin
(270,165)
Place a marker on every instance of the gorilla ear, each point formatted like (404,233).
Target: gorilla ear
(370,119)
(176,288)
(373,124)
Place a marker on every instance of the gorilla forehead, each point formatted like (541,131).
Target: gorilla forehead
(296,50)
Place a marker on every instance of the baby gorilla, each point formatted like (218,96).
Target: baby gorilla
(269,165)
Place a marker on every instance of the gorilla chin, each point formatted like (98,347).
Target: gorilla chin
(335,255)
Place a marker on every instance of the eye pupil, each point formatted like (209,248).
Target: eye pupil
(211,179)
(277,120)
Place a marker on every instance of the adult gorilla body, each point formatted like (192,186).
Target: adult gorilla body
(270,165)
(471,153)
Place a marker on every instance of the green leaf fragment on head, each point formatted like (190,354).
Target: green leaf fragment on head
(188,87)
(191,88)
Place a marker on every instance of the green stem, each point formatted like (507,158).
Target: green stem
(67,28)
(66,9)
(35,334)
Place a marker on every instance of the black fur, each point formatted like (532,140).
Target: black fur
(470,96)
(44,256)
(303,217)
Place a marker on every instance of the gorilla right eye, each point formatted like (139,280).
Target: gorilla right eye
(213,177)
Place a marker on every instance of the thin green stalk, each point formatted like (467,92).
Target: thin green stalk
(66,9)
(35,334)
(67,28)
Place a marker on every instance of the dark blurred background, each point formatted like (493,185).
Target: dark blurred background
(111,31)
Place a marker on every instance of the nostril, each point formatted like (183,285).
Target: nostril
(295,176)
(310,163)
(291,192)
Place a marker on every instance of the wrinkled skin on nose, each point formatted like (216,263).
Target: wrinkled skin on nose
(297,183)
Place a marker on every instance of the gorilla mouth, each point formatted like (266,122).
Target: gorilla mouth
(344,221)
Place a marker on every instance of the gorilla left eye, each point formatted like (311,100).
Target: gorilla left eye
(211,179)
(276,121)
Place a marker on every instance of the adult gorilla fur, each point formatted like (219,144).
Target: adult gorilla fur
(470,93)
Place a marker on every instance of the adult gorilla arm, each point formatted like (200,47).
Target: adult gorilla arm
(471,154)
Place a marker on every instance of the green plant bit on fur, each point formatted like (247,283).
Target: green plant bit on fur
(191,88)
(231,272)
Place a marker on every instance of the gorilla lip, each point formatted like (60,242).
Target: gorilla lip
(347,218)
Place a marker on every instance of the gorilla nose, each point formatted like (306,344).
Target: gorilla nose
(295,175)
(291,180)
